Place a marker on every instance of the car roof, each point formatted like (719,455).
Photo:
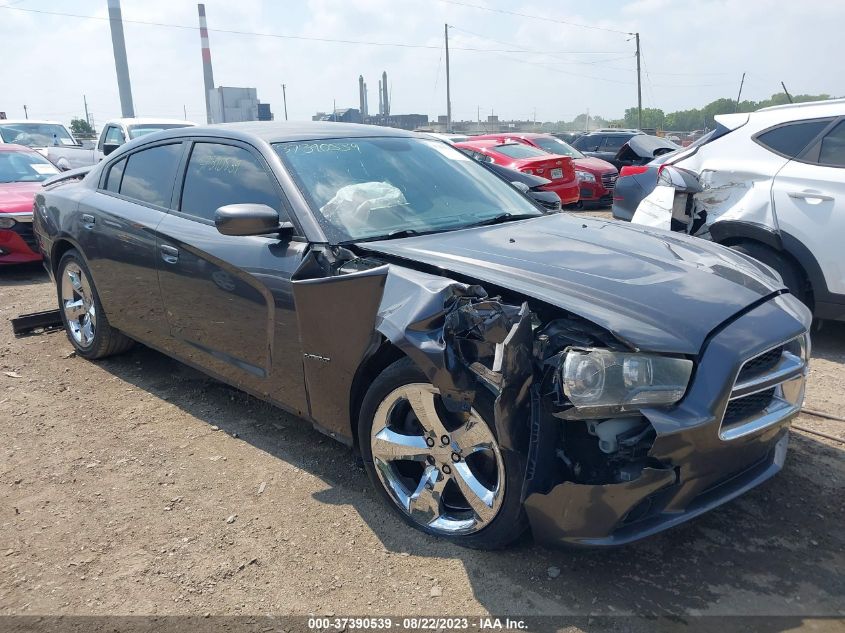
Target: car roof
(613,132)
(484,143)
(149,121)
(35,121)
(281,131)
(12,147)
(828,106)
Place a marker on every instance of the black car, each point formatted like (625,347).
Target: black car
(497,367)
(530,185)
(604,144)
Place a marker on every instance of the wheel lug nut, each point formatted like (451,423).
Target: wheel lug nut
(444,439)
(447,470)
(456,457)
(430,460)
(429,487)
(429,441)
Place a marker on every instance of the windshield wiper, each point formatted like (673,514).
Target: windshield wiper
(501,218)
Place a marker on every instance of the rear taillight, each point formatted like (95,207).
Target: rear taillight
(633,170)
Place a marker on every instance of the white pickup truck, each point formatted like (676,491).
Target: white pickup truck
(53,140)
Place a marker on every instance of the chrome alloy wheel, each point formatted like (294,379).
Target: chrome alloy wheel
(78,305)
(443,470)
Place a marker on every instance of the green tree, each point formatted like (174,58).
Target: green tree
(81,128)
(652,118)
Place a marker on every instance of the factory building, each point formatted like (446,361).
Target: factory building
(264,113)
(229,105)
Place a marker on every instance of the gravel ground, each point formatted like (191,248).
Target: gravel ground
(136,485)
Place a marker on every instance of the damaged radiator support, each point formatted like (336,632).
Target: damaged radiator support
(37,323)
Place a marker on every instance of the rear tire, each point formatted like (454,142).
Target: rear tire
(793,277)
(442,480)
(85,321)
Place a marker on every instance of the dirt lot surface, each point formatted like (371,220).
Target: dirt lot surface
(136,485)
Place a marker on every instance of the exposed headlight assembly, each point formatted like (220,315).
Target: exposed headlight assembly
(584,176)
(604,382)
(7,223)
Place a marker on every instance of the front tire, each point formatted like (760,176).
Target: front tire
(85,321)
(443,473)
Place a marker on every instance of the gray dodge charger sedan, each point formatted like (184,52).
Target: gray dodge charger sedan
(499,368)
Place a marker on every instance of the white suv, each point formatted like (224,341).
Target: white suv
(772,185)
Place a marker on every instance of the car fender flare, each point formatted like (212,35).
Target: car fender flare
(729,232)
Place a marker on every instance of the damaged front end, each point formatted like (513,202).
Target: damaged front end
(568,394)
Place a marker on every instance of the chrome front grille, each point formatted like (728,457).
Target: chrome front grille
(608,181)
(769,387)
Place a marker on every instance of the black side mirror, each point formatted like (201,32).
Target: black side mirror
(249,219)
(108,148)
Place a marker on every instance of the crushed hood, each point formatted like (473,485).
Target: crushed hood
(17,197)
(655,290)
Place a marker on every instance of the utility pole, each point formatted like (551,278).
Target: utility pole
(334,109)
(448,88)
(87,118)
(285,100)
(185,112)
(639,87)
(739,94)
(25,112)
(788,96)
(124,87)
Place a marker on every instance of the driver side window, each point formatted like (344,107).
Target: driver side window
(219,174)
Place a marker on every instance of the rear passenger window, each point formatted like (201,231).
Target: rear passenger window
(218,175)
(790,140)
(832,151)
(150,173)
(115,175)
(588,143)
(614,143)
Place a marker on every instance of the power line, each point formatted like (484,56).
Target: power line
(282,36)
(551,54)
(535,17)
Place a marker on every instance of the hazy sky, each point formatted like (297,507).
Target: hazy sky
(694,52)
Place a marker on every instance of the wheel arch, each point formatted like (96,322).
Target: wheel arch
(732,233)
(61,246)
(379,359)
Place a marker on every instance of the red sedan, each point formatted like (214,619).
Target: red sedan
(596,177)
(528,160)
(21,172)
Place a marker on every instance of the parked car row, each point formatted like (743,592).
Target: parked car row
(32,151)
(499,367)
(770,184)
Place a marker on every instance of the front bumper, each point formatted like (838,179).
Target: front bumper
(17,244)
(567,191)
(695,469)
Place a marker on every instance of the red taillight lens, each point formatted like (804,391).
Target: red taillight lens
(633,170)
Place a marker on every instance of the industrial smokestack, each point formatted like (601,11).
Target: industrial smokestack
(207,73)
(380,99)
(362,105)
(385,93)
(366,101)
(121,65)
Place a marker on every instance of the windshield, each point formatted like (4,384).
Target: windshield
(519,150)
(556,146)
(362,188)
(140,130)
(36,134)
(25,167)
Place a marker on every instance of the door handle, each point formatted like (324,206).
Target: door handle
(810,195)
(88,220)
(169,254)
